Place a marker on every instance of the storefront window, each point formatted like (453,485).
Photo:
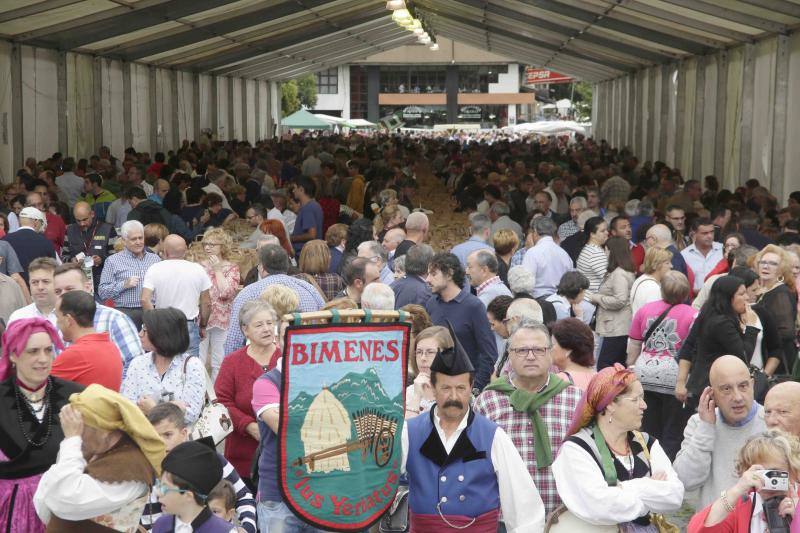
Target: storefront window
(476,78)
(358,91)
(416,116)
(413,79)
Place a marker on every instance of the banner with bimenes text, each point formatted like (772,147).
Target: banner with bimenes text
(341,417)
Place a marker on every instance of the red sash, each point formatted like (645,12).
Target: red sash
(433,523)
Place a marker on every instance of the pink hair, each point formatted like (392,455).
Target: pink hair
(16,338)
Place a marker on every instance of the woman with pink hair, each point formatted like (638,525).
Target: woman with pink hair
(607,472)
(30,431)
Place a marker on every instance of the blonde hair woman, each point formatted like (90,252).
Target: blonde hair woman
(777,293)
(315,259)
(732,511)
(505,243)
(225,277)
(647,287)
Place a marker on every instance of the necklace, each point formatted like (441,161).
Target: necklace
(47,417)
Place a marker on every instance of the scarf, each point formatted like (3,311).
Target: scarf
(530,402)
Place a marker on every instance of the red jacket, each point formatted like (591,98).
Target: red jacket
(234,388)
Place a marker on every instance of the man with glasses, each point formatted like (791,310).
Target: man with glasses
(176,282)
(727,416)
(373,252)
(532,405)
(676,216)
(88,237)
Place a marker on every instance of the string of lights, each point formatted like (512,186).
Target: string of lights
(406,16)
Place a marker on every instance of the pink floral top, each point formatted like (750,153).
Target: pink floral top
(222,301)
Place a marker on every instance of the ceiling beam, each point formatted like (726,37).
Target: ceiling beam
(779,6)
(203,30)
(365,50)
(567,32)
(690,22)
(34,9)
(117,21)
(725,13)
(307,51)
(272,44)
(608,22)
(496,30)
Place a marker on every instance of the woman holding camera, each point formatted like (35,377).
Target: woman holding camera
(751,505)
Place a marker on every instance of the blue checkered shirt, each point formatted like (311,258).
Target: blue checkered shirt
(116,271)
(122,332)
(310,300)
(516,259)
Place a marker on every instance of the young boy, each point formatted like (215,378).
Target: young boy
(222,500)
(168,420)
(189,474)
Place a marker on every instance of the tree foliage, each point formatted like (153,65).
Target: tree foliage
(290,101)
(307,90)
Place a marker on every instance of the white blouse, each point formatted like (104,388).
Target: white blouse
(181,382)
(586,494)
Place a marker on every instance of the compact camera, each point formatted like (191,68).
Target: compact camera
(777,480)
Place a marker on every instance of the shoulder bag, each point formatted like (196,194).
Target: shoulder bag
(215,420)
(395,520)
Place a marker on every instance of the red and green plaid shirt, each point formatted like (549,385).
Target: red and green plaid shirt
(557,414)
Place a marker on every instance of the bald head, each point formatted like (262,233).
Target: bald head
(174,247)
(416,225)
(732,388)
(660,235)
(84,215)
(782,407)
(725,366)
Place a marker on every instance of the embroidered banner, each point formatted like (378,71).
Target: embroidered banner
(342,406)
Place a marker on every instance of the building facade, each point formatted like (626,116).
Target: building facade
(420,88)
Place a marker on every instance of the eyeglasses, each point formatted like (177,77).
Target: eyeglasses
(768,263)
(537,351)
(162,489)
(373,259)
(428,353)
(212,244)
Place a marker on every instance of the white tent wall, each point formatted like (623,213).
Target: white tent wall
(223,128)
(112,94)
(236,108)
(54,101)
(7,137)
(726,114)
(249,110)
(185,88)
(140,107)
(39,102)
(207,109)
(262,95)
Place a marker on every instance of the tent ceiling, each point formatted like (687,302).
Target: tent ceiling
(275,39)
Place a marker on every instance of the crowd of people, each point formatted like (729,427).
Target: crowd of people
(608,338)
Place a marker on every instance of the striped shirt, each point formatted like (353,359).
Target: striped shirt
(122,332)
(593,263)
(116,271)
(245,504)
(310,300)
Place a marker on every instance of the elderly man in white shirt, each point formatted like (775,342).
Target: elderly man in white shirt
(545,259)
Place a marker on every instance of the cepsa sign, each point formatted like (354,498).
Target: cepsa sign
(537,76)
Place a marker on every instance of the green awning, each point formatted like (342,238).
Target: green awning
(303,120)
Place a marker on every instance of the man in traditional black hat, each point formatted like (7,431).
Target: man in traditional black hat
(463,469)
